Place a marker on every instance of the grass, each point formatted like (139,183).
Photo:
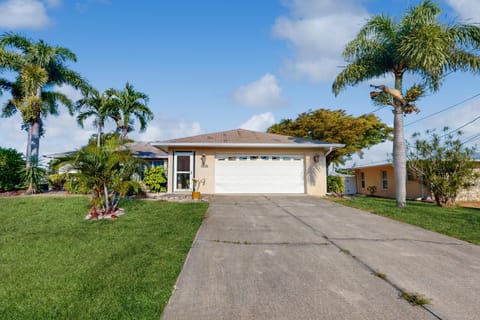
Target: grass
(55,265)
(460,223)
(415,299)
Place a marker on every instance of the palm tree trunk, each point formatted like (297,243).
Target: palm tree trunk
(399,152)
(28,153)
(99,136)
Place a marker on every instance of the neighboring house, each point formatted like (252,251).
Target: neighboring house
(382,177)
(244,161)
(143,150)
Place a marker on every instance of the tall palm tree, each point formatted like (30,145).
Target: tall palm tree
(39,68)
(94,104)
(418,44)
(130,104)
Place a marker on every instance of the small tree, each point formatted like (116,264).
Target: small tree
(445,164)
(106,171)
(155,179)
(11,165)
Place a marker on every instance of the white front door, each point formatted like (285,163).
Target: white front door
(183,171)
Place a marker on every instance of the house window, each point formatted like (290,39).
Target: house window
(362,179)
(384,180)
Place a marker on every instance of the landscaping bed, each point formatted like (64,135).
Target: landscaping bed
(56,265)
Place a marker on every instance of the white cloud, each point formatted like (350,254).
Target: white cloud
(262,93)
(259,122)
(164,127)
(25,14)
(71,93)
(318,32)
(467,9)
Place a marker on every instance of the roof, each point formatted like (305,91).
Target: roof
(139,150)
(146,150)
(245,138)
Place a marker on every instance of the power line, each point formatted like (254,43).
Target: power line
(443,110)
(471,139)
(462,126)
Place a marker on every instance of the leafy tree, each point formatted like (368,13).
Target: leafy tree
(39,68)
(155,179)
(11,165)
(336,126)
(335,184)
(418,44)
(99,106)
(106,171)
(130,104)
(445,164)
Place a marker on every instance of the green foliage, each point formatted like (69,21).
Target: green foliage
(335,184)
(372,190)
(155,179)
(33,176)
(11,165)
(106,171)
(445,163)
(109,270)
(336,126)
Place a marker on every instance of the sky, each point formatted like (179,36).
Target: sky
(216,65)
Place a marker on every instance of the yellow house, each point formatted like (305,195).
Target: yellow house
(244,161)
(380,178)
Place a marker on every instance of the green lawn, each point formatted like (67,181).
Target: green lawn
(460,223)
(55,265)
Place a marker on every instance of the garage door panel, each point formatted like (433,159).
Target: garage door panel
(283,175)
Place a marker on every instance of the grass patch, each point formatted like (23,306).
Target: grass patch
(415,299)
(460,223)
(380,275)
(55,265)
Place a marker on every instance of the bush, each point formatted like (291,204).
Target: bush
(335,184)
(155,179)
(11,166)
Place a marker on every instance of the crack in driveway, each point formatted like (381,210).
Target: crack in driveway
(249,243)
(397,239)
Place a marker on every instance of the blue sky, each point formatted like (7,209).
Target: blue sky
(216,65)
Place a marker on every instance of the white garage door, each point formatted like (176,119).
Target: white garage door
(259,174)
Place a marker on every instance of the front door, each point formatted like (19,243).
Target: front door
(183,171)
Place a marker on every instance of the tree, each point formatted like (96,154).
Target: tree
(11,165)
(130,104)
(106,171)
(337,127)
(418,44)
(445,164)
(39,68)
(99,106)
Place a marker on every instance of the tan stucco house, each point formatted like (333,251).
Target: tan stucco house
(244,161)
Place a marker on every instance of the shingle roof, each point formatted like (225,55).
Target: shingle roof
(146,150)
(242,136)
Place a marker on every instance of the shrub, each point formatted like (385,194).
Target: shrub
(335,184)
(155,179)
(372,190)
(11,165)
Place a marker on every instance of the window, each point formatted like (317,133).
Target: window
(384,180)
(275,158)
(253,158)
(362,179)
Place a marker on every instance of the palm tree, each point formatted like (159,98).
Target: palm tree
(418,44)
(39,68)
(106,171)
(130,104)
(94,104)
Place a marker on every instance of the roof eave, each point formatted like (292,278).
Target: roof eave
(249,145)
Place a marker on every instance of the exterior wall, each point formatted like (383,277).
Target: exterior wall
(315,172)
(472,193)
(373,177)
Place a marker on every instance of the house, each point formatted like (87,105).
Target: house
(244,161)
(381,176)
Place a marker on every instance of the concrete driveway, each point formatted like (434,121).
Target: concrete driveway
(300,257)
